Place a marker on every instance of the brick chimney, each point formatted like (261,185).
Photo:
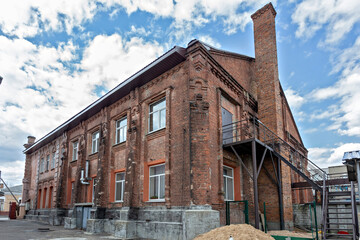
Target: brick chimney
(266,68)
(30,141)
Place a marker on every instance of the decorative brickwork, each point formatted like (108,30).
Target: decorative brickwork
(185,135)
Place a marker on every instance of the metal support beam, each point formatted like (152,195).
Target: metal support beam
(9,190)
(281,204)
(256,194)
(298,171)
(275,182)
(261,163)
(272,160)
(242,163)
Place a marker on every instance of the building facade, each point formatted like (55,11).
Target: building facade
(8,198)
(148,159)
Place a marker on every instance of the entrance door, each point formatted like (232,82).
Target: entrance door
(85,217)
(227,130)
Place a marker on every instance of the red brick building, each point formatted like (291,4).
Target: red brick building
(151,159)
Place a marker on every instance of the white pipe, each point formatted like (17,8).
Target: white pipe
(87,169)
(82,179)
(82,175)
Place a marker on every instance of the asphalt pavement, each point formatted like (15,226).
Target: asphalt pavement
(34,230)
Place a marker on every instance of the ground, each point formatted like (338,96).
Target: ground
(29,230)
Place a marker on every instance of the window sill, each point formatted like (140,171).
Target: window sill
(119,144)
(74,160)
(156,200)
(157,130)
(92,154)
(117,202)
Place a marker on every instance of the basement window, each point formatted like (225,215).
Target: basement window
(95,142)
(75,151)
(157,183)
(228,174)
(121,126)
(119,186)
(157,115)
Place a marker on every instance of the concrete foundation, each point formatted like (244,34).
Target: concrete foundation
(157,223)
(54,217)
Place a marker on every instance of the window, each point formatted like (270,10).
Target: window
(119,186)
(121,126)
(75,150)
(157,115)
(42,162)
(228,174)
(157,182)
(93,189)
(53,161)
(47,162)
(95,142)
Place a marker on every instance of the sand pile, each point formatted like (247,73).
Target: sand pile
(238,232)
(290,234)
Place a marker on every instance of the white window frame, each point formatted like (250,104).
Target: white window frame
(122,182)
(119,129)
(225,184)
(53,160)
(95,142)
(159,117)
(47,165)
(159,183)
(75,151)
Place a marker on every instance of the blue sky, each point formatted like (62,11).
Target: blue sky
(56,57)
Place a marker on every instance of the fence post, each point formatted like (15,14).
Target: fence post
(246,211)
(227,210)
(316,226)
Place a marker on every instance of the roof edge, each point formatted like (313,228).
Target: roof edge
(63,127)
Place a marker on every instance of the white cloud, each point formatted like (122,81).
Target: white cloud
(12,172)
(40,91)
(27,18)
(24,18)
(294,99)
(338,16)
(325,157)
(109,59)
(209,40)
(345,114)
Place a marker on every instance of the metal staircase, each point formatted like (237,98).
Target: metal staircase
(239,135)
(340,215)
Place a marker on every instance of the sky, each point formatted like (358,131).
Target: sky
(57,57)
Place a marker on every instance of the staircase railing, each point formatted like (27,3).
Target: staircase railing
(355,221)
(325,201)
(253,128)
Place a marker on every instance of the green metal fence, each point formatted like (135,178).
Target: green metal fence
(246,210)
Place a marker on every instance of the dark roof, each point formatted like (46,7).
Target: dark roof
(15,189)
(162,64)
